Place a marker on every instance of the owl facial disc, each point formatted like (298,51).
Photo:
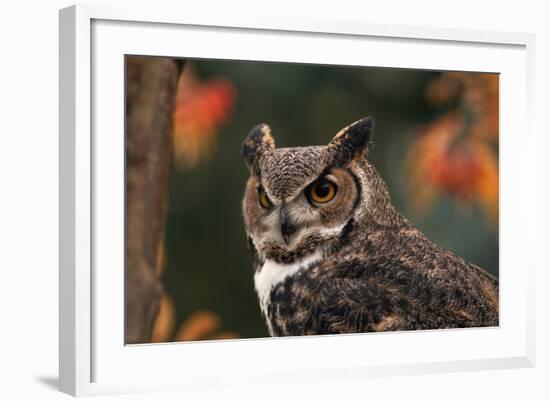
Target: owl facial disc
(298,199)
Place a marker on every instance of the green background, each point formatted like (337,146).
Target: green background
(207,261)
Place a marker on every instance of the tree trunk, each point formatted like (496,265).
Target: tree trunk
(151,86)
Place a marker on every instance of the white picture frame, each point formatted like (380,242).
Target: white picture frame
(93,357)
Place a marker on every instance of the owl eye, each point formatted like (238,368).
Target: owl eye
(263,199)
(321,191)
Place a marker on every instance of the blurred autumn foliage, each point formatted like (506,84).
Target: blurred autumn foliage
(457,153)
(200,325)
(201,107)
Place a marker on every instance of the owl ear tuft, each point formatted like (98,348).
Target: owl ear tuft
(258,142)
(352,142)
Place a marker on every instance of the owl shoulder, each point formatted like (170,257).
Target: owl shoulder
(345,302)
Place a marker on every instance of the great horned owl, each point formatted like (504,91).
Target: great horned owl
(333,255)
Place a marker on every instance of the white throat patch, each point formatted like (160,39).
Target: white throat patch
(272,273)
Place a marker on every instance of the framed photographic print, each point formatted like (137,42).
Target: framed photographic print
(339,199)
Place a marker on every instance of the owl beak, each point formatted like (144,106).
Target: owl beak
(287,228)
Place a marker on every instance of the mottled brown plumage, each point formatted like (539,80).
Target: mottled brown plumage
(353,263)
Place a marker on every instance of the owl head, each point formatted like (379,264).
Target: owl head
(298,200)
